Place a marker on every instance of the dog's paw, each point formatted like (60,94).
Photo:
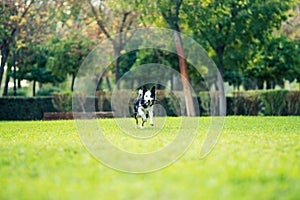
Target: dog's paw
(151,124)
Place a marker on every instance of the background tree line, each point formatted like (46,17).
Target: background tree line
(252,42)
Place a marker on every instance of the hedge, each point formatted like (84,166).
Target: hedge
(253,103)
(273,102)
(30,108)
(267,103)
(25,108)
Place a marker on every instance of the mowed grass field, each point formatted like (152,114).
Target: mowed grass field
(255,158)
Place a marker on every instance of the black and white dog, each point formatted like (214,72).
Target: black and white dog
(143,105)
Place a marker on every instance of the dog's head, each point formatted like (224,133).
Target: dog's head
(148,97)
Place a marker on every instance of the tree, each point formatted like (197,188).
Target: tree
(66,56)
(158,56)
(12,14)
(32,61)
(25,22)
(235,30)
(170,11)
(124,18)
(278,61)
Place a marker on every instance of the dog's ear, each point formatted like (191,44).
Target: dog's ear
(153,91)
(144,90)
(140,93)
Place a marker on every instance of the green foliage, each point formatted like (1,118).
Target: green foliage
(269,102)
(51,42)
(254,155)
(127,61)
(20,92)
(235,31)
(277,61)
(274,101)
(253,103)
(62,101)
(246,103)
(205,101)
(66,55)
(22,24)
(242,103)
(20,108)
(146,56)
(32,62)
(47,91)
(292,103)
(239,35)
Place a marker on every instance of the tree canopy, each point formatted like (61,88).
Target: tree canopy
(252,42)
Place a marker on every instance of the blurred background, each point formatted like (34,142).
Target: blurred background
(255,45)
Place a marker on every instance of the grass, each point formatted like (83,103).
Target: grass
(256,157)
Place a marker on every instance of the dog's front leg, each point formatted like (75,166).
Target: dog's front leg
(151,117)
(143,116)
(136,119)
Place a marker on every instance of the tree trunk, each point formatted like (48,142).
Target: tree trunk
(220,53)
(33,88)
(117,67)
(190,109)
(19,84)
(108,84)
(4,53)
(250,84)
(99,83)
(171,82)
(260,84)
(117,73)
(73,82)
(280,83)
(172,18)
(269,85)
(15,73)
(5,91)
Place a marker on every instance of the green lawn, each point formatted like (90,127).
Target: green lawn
(256,157)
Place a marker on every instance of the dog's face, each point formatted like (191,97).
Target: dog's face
(148,96)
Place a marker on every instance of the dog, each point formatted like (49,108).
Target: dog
(143,105)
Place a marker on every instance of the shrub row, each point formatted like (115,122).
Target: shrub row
(24,108)
(33,108)
(274,102)
(268,103)
(271,102)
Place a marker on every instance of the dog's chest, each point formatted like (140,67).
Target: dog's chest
(147,108)
(138,104)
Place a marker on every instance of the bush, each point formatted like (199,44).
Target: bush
(292,103)
(21,108)
(204,103)
(48,91)
(21,92)
(62,101)
(273,101)
(169,101)
(238,104)
(252,103)
(246,103)
(229,105)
